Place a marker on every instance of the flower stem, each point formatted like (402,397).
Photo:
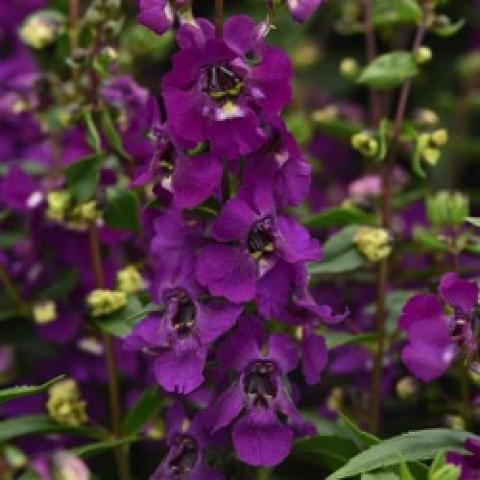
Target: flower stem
(121,453)
(12,291)
(219,12)
(386,220)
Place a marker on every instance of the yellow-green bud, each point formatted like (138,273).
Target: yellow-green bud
(406,388)
(157,430)
(439,138)
(129,280)
(306,55)
(427,117)
(335,400)
(85,211)
(373,243)
(423,55)
(65,404)
(66,466)
(58,203)
(40,29)
(445,209)
(102,301)
(326,114)
(349,68)
(446,472)
(44,312)
(456,422)
(365,143)
(431,155)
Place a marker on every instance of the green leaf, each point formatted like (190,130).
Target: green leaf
(475,221)
(340,242)
(380,476)
(61,287)
(10,238)
(32,424)
(91,449)
(449,30)
(93,137)
(29,475)
(340,217)
(389,70)
(429,240)
(405,473)
(144,409)
(12,393)
(82,177)
(122,211)
(346,261)
(110,132)
(121,322)
(412,446)
(330,452)
(335,339)
(363,438)
(339,128)
(390,12)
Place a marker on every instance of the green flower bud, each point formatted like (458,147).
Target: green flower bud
(423,55)
(58,202)
(446,209)
(406,388)
(426,117)
(65,404)
(447,472)
(431,155)
(440,137)
(349,68)
(41,29)
(373,243)
(455,422)
(102,301)
(44,312)
(365,143)
(326,114)
(129,280)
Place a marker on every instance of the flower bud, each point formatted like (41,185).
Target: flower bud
(440,137)
(447,472)
(423,55)
(373,243)
(102,301)
(325,114)
(406,388)
(41,29)
(349,68)
(426,117)
(58,202)
(85,211)
(365,143)
(44,312)
(446,209)
(129,280)
(431,155)
(67,466)
(65,404)
(455,422)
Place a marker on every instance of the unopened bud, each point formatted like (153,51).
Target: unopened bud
(455,422)
(65,404)
(102,302)
(58,202)
(440,137)
(373,243)
(67,466)
(447,472)
(44,312)
(431,156)
(349,68)
(129,280)
(426,117)
(445,209)
(41,29)
(326,114)
(85,211)
(406,388)
(423,55)
(365,143)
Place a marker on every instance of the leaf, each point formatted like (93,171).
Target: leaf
(121,322)
(12,393)
(379,476)
(10,238)
(412,446)
(91,449)
(110,132)
(388,12)
(82,177)
(449,30)
(389,70)
(122,211)
(144,409)
(61,287)
(29,475)
(336,339)
(346,261)
(405,473)
(340,242)
(93,137)
(328,451)
(32,424)
(363,438)
(475,221)
(339,128)
(340,217)
(429,240)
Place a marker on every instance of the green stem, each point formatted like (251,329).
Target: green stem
(12,291)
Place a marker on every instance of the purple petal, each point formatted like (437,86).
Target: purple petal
(157,15)
(225,409)
(283,350)
(240,33)
(238,350)
(301,10)
(234,221)
(214,319)
(261,440)
(458,293)
(228,272)
(420,308)
(314,358)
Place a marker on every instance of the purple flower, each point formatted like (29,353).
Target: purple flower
(179,337)
(435,337)
(19,191)
(157,15)
(301,10)
(264,418)
(183,180)
(469,464)
(253,239)
(223,94)
(187,442)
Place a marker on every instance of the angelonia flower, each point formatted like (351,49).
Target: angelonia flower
(302,10)
(469,464)
(441,329)
(62,465)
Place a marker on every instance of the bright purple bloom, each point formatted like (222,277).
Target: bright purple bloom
(469,464)
(157,15)
(187,442)
(179,337)
(253,403)
(302,10)
(436,337)
(223,94)
(254,238)
(19,191)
